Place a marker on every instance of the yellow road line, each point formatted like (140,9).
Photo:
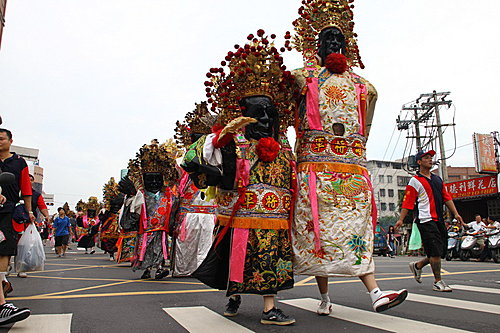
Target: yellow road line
(405,277)
(68,269)
(117,280)
(86,288)
(131,293)
(444,271)
(307,279)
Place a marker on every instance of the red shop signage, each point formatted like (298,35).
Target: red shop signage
(473,187)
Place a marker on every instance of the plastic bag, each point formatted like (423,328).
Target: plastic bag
(415,242)
(30,253)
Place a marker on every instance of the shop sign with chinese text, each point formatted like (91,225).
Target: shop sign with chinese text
(473,187)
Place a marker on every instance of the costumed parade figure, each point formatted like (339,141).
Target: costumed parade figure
(195,219)
(249,159)
(153,176)
(109,233)
(87,224)
(335,209)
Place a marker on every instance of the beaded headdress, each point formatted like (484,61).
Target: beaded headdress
(93,203)
(155,157)
(200,121)
(110,191)
(255,69)
(80,206)
(315,16)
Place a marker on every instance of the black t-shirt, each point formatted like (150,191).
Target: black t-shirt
(16,165)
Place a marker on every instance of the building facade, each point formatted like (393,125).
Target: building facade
(389,182)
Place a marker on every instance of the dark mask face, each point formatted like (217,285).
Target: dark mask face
(263,110)
(91,213)
(331,40)
(153,181)
(116,204)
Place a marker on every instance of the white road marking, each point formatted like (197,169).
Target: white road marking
(454,303)
(199,319)
(372,319)
(48,323)
(476,289)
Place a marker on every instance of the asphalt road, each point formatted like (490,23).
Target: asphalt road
(88,293)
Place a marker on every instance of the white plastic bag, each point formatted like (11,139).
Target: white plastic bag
(30,253)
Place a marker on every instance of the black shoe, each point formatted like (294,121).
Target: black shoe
(10,314)
(276,317)
(146,274)
(161,273)
(232,306)
(92,252)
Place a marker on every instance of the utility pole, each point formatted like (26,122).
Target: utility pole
(442,166)
(424,109)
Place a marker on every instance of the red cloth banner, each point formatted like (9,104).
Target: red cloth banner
(473,187)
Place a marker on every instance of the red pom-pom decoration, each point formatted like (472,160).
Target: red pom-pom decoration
(267,149)
(336,63)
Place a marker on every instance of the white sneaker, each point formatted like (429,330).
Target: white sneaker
(417,273)
(22,275)
(441,286)
(324,308)
(389,299)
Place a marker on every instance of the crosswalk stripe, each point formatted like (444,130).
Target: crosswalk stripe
(476,289)
(372,319)
(48,323)
(455,303)
(199,319)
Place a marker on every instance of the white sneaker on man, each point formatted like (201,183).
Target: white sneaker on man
(417,273)
(22,275)
(441,286)
(324,308)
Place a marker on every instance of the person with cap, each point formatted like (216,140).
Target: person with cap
(426,195)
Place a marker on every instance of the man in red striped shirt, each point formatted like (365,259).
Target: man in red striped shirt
(13,163)
(426,195)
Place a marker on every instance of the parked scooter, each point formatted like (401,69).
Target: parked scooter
(469,247)
(454,238)
(494,244)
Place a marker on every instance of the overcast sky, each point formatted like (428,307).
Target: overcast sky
(89,82)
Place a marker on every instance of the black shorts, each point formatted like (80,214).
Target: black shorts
(434,238)
(9,246)
(61,240)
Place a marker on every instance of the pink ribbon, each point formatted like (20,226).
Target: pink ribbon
(313,197)
(164,244)
(312,105)
(144,245)
(238,254)
(360,90)
(374,203)
(85,221)
(183,182)
(182,234)
(240,236)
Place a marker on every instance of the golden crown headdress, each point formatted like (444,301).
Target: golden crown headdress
(255,69)
(93,203)
(80,206)
(315,16)
(110,191)
(200,121)
(155,157)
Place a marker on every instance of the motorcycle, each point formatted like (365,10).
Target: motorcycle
(469,247)
(494,244)
(453,245)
